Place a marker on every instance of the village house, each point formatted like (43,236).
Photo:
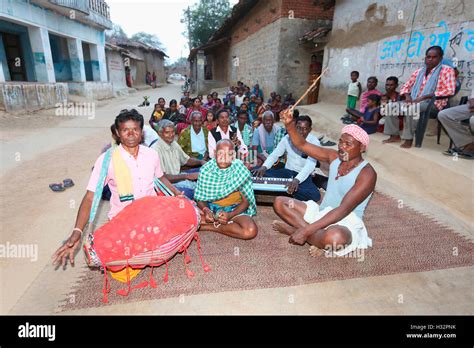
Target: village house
(260,43)
(145,59)
(50,49)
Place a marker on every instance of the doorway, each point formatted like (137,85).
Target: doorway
(86,52)
(14,54)
(315,69)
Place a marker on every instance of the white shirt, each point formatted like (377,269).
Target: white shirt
(198,143)
(353,89)
(239,100)
(211,142)
(149,134)
(303,166)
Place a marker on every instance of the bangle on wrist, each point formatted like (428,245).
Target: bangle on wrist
(77,229)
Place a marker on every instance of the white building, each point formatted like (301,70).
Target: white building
(50,48)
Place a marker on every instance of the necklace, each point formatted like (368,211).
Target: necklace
(347,170)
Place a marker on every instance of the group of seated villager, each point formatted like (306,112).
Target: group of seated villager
(213,152)
(429,89)
(213,166)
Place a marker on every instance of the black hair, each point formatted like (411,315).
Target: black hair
(375,97)
(437,48)
(304,118)
(161,98)
(372,78)
(173,101)
(296,113)
(355,72)
(114,134)
(194,99)
(127,115)
(242,113)
(393,78)
(219,99)
(213,115)
(221,111)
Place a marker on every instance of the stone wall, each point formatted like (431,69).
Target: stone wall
(116,71)
(294,58)
(32,96)
(385,40)
(92,90)
(256,59)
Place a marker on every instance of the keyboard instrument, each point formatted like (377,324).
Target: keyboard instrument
(270,184)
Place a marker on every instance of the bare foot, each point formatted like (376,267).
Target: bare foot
(392,139)
(316,252)
(283,227)
(407,144)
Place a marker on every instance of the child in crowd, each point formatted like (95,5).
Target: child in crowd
(369,121)
(156,116)
(384,100)
(383,104)
(354,90)
(210,122)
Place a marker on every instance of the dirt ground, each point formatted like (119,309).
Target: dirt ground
(39,148)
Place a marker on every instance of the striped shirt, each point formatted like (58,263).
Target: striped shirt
(445,88)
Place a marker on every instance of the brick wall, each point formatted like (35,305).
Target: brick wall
(266,42)
(261,15)
(306,9)
(268,11)
(258,58)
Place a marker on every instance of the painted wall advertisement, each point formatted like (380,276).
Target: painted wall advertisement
(401,55)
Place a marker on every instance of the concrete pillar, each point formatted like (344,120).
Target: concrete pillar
(43,59)
(4,72)
(99,65)
(2,75)
(76,57)
(200,59)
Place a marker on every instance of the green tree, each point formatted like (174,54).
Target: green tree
(116,34)
(203,19)
(149,39)
(180,62)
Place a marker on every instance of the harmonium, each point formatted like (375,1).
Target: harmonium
(266,188)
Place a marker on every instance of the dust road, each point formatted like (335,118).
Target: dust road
(38,149)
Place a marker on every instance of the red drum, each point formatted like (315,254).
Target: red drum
(148,232)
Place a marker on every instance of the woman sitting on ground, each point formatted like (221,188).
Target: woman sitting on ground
(225,195)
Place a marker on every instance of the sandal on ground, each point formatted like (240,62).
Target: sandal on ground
(452,151)
(68,183)
(349,122)
(57,187)
(466,155)
(328,143)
